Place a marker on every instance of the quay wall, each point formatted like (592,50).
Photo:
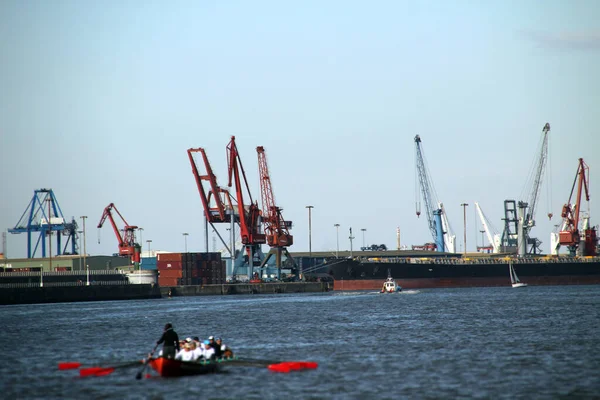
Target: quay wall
(247,288)
(60,294)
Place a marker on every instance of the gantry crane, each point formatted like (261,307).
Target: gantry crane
(520,216)
(128,247)
(571,235)
(275,226)
(438,223)
(44,216)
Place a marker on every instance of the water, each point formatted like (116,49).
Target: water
(536,342)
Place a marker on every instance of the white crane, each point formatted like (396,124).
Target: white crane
(493,237)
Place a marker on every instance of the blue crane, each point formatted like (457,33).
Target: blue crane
(44,216)
(434,215)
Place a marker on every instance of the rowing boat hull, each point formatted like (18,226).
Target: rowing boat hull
(167,367)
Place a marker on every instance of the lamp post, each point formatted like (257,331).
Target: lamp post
(363,237)
(148,241)
(337,240)
(185,235)
(310,232)
(351,238)
(49,200)
(464,206)
(80,255)
(83,217)
(140,230)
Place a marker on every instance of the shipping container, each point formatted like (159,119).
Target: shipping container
(162,265)
(170,273)
(168,257)
(168,281)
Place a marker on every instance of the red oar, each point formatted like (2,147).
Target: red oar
(68,365)
(103,371)
(288,366)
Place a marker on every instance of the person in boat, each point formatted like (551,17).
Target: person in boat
(170,341)
(187,354)
(225,350)
(215,346)
(209,351)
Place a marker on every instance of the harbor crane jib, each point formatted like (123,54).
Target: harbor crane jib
(249,215)
(492,235)
(43,216)
(571,236)
(523,218)
(128,247)
(435,216)
(276,227)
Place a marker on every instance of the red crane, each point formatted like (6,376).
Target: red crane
(127,244)
(570,236)
(276,228)
(220,197)
(249,215)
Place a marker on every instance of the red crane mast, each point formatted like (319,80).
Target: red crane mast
(127,243)
(220,197)
(276,228)
(571,236)
(249,215)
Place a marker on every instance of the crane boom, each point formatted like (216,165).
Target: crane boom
(433,215)
(570,234)
(540,163)
(250,217)
(127,243)
(484,222)
(220,197)
(276,228)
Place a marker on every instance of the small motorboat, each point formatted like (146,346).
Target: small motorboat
(390,285)
(168,367)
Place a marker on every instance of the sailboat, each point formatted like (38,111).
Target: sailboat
(514,279)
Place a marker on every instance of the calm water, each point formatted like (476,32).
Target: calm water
(536,342)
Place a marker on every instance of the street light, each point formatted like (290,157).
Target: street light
(49,200)
(351,238)
(148,241)
(83,217)
(80,255)
(185,235)
(363,234)
(310,231)
(464,206)
(337,240)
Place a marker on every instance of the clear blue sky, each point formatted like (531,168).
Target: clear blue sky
(99,100)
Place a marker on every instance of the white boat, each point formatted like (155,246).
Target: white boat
(390,285)
(514,279)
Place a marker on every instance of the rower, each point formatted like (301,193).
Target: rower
(170,340)
(209,351)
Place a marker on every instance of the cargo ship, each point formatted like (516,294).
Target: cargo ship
(415,270)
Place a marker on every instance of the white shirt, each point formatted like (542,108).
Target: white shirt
(208,353)
(185,355)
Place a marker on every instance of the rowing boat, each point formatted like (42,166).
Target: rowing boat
(168,367)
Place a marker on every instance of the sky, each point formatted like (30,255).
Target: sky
(99,100)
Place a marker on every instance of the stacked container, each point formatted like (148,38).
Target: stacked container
(177,269)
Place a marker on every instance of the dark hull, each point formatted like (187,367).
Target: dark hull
(173,368)
(354,275)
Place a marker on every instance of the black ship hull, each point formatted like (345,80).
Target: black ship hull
(416,274)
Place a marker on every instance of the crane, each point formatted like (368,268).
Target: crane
(524,219)
(570,234)
(44,216)
(127,243)
(435,217)
(217,202)
(490,232)
(275,226)
(250,215)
